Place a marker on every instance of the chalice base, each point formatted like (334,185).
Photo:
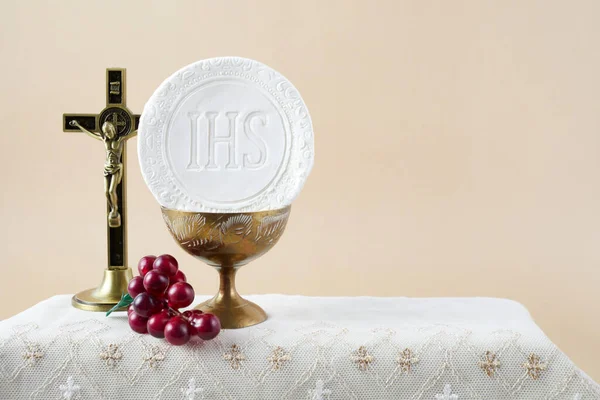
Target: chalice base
(107,295)
(234,313)
(233,310)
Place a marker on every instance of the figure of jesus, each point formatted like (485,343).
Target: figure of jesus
(113,167)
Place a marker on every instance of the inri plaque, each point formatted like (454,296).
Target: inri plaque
(225,134)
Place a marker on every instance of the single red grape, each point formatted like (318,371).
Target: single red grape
(138,323)
(207,325)
(156,283)
(146,305)
(189,315)
(156,324)
(177,331)
(166,264)
(180,295)
(136,286)
(179,277)
(145,265)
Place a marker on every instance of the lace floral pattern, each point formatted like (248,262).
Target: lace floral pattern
(406,359)
(70,390)
(534,366)
(190,392)
(319,392)
(362,358)
(489,363)
(278,357)
(153,355)
(33,353)
(111,355)
(93,357)
(234,356)
(447,395)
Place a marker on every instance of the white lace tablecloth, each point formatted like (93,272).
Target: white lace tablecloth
(310,348)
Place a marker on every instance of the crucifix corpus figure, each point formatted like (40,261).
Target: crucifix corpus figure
(113,126)
(113,167)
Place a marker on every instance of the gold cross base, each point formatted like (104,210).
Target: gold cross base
(107,295)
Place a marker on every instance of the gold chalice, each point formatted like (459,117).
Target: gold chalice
(227,241)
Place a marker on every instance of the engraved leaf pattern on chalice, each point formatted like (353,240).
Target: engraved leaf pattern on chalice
(235,228)
(187,230)
(206,233)
(271,228)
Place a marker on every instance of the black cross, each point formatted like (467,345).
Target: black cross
(116,111)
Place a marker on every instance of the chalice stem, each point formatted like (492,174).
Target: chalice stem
(232,309)
(228,294)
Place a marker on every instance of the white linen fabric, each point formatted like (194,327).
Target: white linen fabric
(310,348)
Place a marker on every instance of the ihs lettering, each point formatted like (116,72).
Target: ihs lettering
(203,146)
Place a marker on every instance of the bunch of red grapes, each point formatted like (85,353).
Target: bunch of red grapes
(158,294)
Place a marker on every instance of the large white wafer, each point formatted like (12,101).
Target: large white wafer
(225,134)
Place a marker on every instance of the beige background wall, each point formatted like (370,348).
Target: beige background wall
(458,147)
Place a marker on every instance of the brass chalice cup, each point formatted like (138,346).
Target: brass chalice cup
(227,241)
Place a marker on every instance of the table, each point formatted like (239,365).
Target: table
(310,348)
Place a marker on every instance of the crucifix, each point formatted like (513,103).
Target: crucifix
(113,126)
